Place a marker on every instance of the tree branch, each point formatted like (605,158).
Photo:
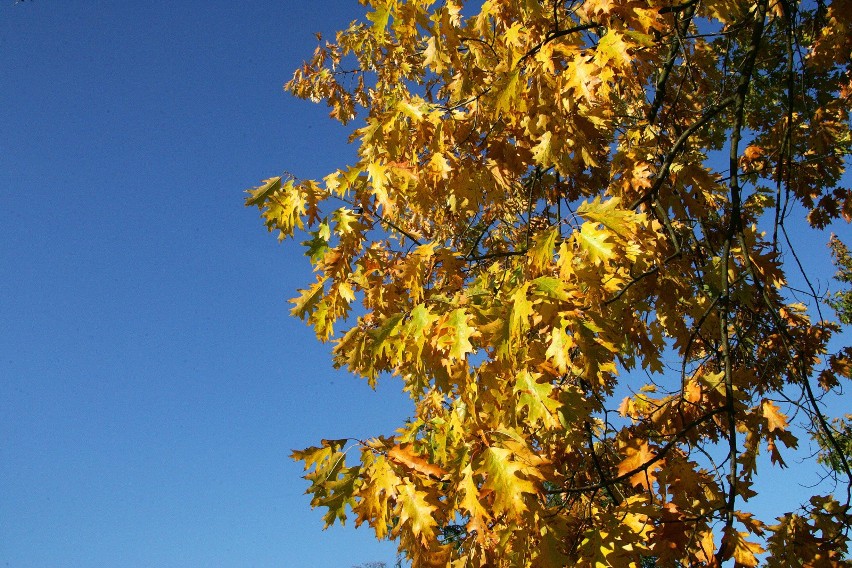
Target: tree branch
(555,35)
(682,25)
(660,455)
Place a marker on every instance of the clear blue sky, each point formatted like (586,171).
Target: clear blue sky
(152,384)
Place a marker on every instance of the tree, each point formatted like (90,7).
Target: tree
(371,565)
(566,232)
(842,301)
(842,430)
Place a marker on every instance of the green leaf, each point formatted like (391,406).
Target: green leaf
(550,287)
(535,397)
(380,18)
(317,246)
(259,194)
(305,304)
(609,214)
(420,320)
(386,335)
(509,91)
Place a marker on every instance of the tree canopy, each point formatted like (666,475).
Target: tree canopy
(566,232)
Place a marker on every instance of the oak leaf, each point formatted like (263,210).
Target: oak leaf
(469,502)
(415,512)
(775,420)
(536,398)
(595,242)
(455,334)
(506,482)
(405,456)
(638,458)
(735,545)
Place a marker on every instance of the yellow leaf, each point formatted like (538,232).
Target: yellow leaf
(305,304)
(455,334)
(513,33)
(611,215)
(518,321)
(415,512)
(434,56)
(410,110)
(775,419)
(541,252)
(346,292)
(543,151)
(558,348)
(535,397)
(376,493)
(504,478)
(583,78)
(724,10)
(477,514)
(508,93)
(439,166)
(345,221)
(595,242)
(612,50)
(380,18)
(417,326)
(379,178)
(734,544)
(550,287)
(259,194)
(313,456)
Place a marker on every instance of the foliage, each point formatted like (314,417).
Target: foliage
(842,429)
(842,300)
(566,234)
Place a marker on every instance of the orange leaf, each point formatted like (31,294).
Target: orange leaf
(403,455)
(638,455)
(775,419)
(744,552)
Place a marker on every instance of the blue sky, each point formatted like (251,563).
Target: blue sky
(152,384)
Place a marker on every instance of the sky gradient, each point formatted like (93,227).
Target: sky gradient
(152,383)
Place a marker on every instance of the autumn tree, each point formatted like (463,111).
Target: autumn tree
(566,232)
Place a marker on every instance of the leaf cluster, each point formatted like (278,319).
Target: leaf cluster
(565,232)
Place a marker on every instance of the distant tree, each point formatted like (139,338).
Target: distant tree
(842,429)
(588,305)
(842,301)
